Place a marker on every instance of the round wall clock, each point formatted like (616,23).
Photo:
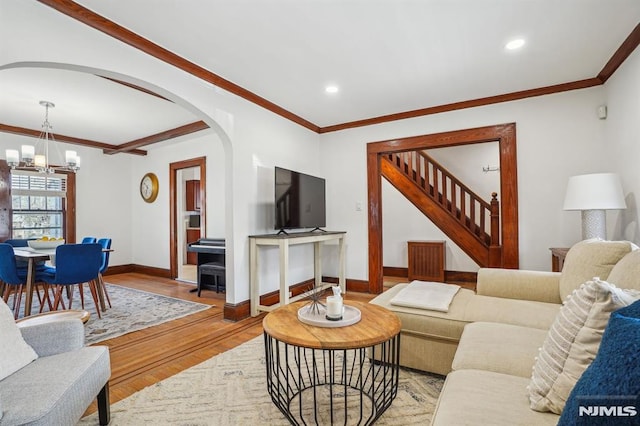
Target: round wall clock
(149,187)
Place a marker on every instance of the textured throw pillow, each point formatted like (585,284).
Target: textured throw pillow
(15,353)
(590,258)
(608,393)
(572,342)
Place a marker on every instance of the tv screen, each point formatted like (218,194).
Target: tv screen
(299,200)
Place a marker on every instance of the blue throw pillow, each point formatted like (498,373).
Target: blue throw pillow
(608,393)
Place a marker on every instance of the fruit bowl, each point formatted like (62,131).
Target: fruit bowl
(44,244)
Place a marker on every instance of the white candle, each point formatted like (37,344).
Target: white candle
(334,307)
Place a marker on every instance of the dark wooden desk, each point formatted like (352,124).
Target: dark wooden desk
(557,258)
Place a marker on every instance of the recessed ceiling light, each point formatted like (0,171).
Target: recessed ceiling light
(515,44)
(331,89)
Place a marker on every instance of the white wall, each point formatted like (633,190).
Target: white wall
(558,136)
(102,193)
(253,139)
(622,139)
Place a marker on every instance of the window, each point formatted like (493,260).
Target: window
(38,204)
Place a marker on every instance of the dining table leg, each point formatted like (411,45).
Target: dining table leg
(99,284)
(29,291)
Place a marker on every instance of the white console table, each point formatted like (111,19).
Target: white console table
(283,241)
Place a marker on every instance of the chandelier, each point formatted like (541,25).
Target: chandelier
(40,161)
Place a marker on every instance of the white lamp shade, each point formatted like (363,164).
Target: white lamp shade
(13,156)
(597,191)
(28,151)
(70,157)
(40,161)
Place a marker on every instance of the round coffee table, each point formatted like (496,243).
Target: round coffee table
(341,375)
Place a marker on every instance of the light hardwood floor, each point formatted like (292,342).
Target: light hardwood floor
(145,357)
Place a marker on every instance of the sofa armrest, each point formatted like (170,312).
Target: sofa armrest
(537,286)
(54,337)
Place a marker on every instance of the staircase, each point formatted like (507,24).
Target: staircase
(469,221)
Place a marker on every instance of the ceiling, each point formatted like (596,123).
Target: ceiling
(406,57)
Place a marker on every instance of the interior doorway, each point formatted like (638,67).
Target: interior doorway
(188,215)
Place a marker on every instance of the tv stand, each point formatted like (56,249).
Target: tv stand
(283,241)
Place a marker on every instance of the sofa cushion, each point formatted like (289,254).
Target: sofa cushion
(612,378)
(502,348)
(626,273)
(572,342)
(588,259)
(475,397)
(57,389)
(15,353)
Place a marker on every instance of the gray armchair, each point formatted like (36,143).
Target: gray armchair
(57,388)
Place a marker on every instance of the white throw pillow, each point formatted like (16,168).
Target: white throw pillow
(15,353)
(573,341)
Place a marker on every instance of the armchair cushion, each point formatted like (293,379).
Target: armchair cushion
(573,341)
(54,337)
(57,389)
(588,259)
(15,353)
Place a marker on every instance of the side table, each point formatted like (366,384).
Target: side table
(342,375)
(557,258)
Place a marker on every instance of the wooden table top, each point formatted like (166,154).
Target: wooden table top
(52,316)
(377,325)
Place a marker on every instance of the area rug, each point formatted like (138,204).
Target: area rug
(231,389)
(131,310)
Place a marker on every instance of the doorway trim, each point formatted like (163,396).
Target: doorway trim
(504,134)
(173,205)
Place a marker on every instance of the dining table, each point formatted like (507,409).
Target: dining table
(32,256)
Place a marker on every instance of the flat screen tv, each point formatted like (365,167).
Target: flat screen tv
(299,200)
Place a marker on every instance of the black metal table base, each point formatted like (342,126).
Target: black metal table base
(332,386)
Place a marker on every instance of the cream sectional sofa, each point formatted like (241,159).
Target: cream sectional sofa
(504,324)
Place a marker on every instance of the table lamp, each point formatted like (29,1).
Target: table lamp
(593,194)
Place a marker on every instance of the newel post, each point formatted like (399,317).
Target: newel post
(495,248)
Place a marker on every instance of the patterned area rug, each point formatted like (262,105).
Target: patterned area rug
(231,389)
(132,310)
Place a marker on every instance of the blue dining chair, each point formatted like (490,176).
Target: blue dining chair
(11,277)
(89,240)
(21,243)
(75,264)
(105,243)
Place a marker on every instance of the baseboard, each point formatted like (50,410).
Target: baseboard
(240,311)
(237,312)
(392,271)
(119,269)
(141,269)
(467,278)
